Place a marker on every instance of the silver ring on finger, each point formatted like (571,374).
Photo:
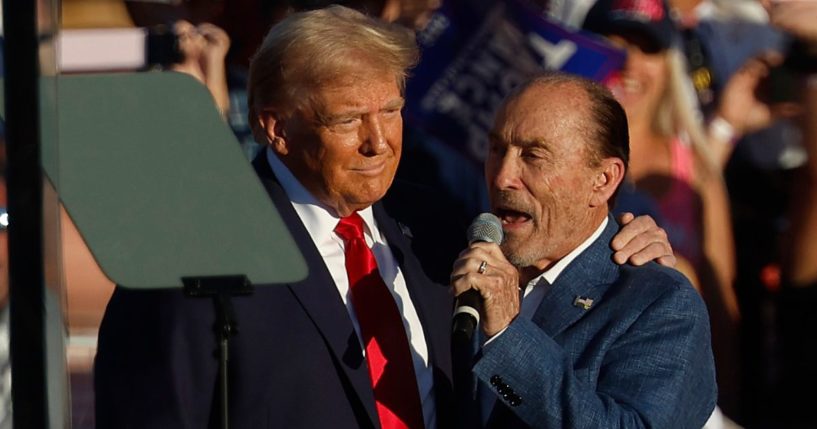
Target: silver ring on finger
(483,266)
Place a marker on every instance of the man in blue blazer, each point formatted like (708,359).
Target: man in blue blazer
(570,338)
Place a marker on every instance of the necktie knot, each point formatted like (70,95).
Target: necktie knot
(350,227)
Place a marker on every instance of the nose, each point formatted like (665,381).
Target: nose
(373,136)
(502,171)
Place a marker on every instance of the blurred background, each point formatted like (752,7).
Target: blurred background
(718,94)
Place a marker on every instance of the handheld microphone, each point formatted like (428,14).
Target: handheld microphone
(488,228)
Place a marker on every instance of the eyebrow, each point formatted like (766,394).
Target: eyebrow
(494,136)
(396,103)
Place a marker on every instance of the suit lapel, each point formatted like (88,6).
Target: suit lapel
(585,279)
(433,304)
(319,296)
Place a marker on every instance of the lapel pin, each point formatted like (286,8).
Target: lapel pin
(583,302)
(405,230)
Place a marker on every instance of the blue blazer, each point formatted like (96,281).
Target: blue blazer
(640,356)
(295,362)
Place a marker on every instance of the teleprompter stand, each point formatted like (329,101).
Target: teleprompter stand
(221,289)
(164,197)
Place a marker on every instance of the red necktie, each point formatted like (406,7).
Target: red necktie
(384,337)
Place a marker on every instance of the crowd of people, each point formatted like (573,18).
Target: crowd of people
(700,132)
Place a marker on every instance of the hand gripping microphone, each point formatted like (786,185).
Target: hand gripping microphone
(488,228)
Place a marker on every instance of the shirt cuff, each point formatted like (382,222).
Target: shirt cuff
(495,336)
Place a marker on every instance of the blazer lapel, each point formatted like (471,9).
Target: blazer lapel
(583,282)
(319,296)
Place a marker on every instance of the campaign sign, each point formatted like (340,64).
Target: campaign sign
(474,52)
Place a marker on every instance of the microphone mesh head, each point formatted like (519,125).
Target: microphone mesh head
(485,227)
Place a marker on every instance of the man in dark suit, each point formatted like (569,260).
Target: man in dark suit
(590,344)
(363,341)
(326,96)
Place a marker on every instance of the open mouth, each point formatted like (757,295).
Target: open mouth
(631,86)
(510,217)
(626,89)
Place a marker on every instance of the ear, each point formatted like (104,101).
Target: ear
(271,127)
(607,177)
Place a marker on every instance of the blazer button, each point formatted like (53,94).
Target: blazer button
(496,380)
(515,401)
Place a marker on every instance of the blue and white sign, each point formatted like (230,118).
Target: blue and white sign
(476,51)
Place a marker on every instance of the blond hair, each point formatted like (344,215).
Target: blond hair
(677,114)
(308,49)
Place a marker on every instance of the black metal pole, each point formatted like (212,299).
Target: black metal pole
(224,327)
(221,289)
(222,366)
(25,209)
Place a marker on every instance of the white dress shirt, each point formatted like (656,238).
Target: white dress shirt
(536,287)
(320,221)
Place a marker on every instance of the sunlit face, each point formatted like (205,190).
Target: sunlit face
(643,79)
(539,176)
(344,146)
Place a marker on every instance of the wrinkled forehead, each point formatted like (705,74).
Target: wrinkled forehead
(544,111)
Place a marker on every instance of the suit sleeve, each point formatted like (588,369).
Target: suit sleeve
(155,366)
(658,373)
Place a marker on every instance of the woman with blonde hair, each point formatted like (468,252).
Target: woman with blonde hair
(670,162)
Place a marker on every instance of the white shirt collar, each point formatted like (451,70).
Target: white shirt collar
(319,219)
(551,274)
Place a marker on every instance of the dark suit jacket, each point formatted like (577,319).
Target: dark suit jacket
(640,356)
(294,363)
